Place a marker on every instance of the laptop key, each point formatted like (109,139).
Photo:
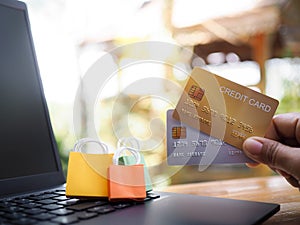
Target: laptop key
(23,201)
(85,215)
(34,211)
(3,220)
(14,216)
(62,212)
(153,195)
(51,206)
(49,192)
(47,201)
(85,205)
(121,205)
(60,192)
(66,219)
(30,205)
(61,198)
(43,196)
(60,189)
(44,216)
(4,204)
(102,209)
(72,201)
(24,221)
(12,209)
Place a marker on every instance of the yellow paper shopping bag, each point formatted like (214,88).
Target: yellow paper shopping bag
(126,182)
(87,173)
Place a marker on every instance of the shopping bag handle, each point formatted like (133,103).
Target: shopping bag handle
(129,142)
(133,151)
(78,145)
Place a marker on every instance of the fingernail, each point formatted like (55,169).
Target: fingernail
(253,146)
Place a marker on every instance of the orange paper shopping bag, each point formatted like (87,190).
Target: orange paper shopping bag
(126,182)
(130,160)
(87,173)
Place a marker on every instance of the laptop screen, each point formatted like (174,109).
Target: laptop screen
(26,144)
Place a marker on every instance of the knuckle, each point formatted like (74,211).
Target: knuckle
(271,153)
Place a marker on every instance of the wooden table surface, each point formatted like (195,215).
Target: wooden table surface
(273,189)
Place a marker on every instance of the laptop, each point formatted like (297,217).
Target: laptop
(32,183)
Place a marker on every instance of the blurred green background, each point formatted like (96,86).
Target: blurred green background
(254,43)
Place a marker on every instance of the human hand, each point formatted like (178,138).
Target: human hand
(280,149)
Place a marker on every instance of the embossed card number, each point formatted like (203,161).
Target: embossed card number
(188,146)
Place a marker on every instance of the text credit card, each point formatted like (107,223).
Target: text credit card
(224,109)
(188,146)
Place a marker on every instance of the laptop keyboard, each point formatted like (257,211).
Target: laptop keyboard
(54,207)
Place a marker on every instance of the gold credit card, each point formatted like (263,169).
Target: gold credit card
(224,109)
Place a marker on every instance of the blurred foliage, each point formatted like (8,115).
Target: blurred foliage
(61,119)
(291,100)
(63,156)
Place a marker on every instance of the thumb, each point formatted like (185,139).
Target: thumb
(272,153)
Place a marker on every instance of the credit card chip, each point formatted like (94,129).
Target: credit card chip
(178,132)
